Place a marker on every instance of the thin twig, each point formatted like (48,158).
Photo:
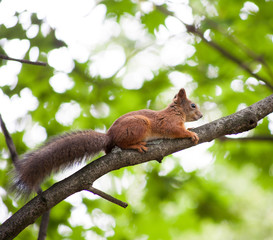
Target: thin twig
(249,52)
(23,60)
(237,43)
(10,144)
(44,225)
(220,49)
(228,55)
(107,197)
(15,158)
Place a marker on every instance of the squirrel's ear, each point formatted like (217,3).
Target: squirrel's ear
(182,94)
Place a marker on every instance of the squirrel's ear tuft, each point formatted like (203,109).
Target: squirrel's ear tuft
(182,94)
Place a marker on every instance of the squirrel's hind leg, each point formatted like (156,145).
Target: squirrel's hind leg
(131,133)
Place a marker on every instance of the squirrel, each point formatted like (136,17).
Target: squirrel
(130,131)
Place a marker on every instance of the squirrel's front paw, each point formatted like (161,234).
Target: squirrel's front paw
(194,137)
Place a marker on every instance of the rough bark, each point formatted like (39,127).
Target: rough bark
(241,121)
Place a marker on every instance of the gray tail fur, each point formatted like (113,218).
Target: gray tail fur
(59,153)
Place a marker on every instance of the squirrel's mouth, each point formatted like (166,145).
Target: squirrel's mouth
(195,117)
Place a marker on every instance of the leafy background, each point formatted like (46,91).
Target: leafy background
(143,54)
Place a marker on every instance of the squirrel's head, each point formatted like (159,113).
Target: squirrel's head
(187,107)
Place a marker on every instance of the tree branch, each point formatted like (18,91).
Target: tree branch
(238,122)
(220,49)
(22,60)
(249,52)
(43,225)
(9,142)
(107,197)
(228,55)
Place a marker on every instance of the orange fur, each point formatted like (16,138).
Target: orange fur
(132,130)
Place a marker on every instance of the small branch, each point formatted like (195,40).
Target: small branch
(220,49)
(228,55)
(249,52)
(9,142)
(246,139)
(107,197)
(44,222)
(23,60)
(44,225)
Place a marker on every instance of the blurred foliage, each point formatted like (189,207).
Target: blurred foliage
(229,199)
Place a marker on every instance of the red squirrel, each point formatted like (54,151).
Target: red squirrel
(130,131)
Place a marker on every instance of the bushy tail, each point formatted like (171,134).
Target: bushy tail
(57,154)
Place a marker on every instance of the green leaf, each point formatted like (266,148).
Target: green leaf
(153,20)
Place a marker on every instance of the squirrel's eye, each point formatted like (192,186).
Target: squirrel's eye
(193,105)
